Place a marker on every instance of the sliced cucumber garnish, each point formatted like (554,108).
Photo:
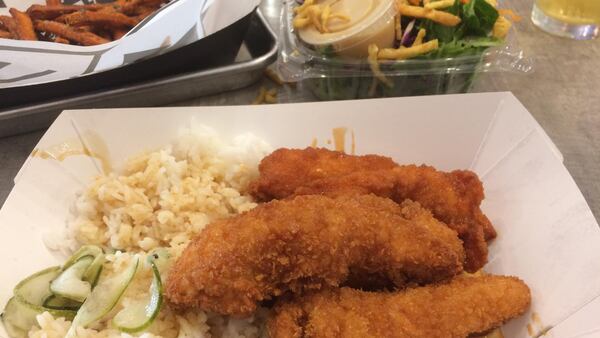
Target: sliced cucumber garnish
(86,250)
(104,297)
(161,258)
(138,316)
(29,295)
(13,331)
(69,284)
(79,274)
(36,288)
(60,303)
(14,315)
(92,274)
(22,315)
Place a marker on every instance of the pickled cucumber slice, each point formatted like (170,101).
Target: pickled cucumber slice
(92,274)
(104,297)
(86,250)
(69,283)
(20,313)
(60,303)
(140,315)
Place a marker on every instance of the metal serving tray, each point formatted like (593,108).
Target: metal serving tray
(260,47)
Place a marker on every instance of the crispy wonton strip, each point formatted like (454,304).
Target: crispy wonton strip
(441,4)
(326,16)
(398,26)
(440,17)
(271,96)
(24,26)
(420,37)
(501,27)
(260,99)
(304,6)
(62,30)
(311,15)
(374,64)
(415,2)
(407,53)
(52,2)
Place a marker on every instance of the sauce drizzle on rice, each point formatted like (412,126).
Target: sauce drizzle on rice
(163,198)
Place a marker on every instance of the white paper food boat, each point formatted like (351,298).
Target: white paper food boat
(547,234)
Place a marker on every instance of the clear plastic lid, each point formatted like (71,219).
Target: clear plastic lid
(335,58)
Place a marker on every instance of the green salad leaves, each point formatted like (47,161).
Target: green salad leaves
(471,36)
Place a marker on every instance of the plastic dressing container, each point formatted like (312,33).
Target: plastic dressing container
(371,21)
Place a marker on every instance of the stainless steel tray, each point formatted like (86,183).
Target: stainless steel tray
(258,51)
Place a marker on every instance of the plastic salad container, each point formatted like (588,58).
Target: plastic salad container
(353,49)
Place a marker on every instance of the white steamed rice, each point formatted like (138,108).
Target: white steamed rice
(163,199)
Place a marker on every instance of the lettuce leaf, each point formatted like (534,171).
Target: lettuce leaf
(478,19)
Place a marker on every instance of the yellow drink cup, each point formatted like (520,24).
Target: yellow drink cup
(577,19)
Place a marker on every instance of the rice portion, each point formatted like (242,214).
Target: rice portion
(164,198)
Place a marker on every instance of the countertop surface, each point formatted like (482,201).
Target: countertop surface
(561,93)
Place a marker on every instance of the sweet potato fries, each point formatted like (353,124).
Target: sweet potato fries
(83,25)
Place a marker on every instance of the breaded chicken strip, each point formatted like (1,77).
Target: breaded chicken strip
(453,198)
(285,170)
(307,243)
(458,308)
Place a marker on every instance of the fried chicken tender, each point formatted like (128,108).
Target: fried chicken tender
(458,308)
(307,243)
(285,170)
(453,198)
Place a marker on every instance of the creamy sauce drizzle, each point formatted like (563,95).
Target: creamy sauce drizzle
(75,147)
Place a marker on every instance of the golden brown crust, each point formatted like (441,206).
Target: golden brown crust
(285,170)
(307,243)
(453,198)
(457,308)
